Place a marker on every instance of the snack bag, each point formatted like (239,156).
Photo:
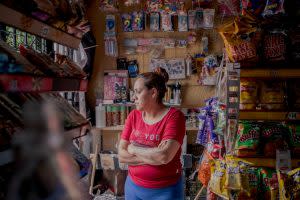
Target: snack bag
(154,5)
(138,21)
(256,7)
(247,139)
(254,186)
(238,39)
(166,22)
(217,180)
(248,90)
(273,7)
(154,22)
(275,47)
(270,184)
(236,174)
(295,139)
(274,137)
(127,22)
(204,172)
(272,95)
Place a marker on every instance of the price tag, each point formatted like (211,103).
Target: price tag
(293,115)
(45,31)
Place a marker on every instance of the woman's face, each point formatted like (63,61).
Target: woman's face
(143,97)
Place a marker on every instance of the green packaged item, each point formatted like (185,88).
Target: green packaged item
(270,185)
(247,139)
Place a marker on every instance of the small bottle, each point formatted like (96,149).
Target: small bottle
(189,68)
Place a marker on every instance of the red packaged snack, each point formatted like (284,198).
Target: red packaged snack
(275,46)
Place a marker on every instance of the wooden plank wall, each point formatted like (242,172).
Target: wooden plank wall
(192,93)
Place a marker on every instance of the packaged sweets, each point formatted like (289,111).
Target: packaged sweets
(256,7)
(248,91)
(182,22)
(274,136)
(295,139)
(154,22)
(273,7)
(192,19)
(254,186)
(204,172)
(127,22)
(238,39)
(272,92)
(138,21)
(247,139)
(275,47)
(270,186)
(166,22)
(228,7)
(217,180)
(236,174)
(154,5)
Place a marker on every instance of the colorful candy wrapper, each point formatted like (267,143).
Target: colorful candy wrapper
(138,21)
(192,19)
(127,22)
(154,22)
(166,22)
(273,7)
(182,22)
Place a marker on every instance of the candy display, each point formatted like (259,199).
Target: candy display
(166,22)
(138,21)
(154,22)
(182,22)
(127,22)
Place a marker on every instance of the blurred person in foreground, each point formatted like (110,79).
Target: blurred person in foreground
(151,142)
(44,171)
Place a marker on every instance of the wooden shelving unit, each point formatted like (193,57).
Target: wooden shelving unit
(28,83)
(270,73)
(262,115)
(14,18)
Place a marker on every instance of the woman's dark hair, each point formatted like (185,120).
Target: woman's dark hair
(156,79)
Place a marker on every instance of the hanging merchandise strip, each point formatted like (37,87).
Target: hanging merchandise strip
(233,102)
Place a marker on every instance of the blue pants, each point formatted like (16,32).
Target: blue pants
(135,192)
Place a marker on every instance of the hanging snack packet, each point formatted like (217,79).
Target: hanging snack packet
(138,21)
(171,6)
(254,186)
(110,23)
(255,7)
(272,95)
(154,5)
(217,180)
(295,139)
(274,137)
(154,22)
(208,18)
(270,185)
(238,36)
(236,175)
(127,22)
(248,94)
(247,139)
(275,47)
(182,22)
(166,22)
(273,7)
(192,19)
(204,172)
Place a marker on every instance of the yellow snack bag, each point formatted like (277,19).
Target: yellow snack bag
(217,180)
(236,175)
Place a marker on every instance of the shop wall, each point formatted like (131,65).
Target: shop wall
(192,93)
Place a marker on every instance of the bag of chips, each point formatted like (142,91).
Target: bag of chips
(248,94)
(270,186)
(236,174)
(272,95)
(217,180)
(237,36)
(275,46)
(295,139)
(274,136)
(247,139)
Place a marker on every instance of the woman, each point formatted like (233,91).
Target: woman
(151,142)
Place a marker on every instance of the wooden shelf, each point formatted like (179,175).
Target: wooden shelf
(270,73)
(268,162)
(261,115)
(16,19)
(28,83)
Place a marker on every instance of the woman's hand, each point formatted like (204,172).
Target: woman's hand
(130,149)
